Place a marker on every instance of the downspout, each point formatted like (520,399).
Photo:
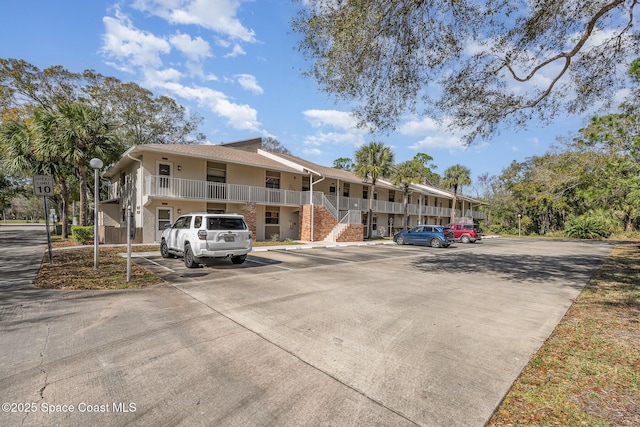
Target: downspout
(141,186)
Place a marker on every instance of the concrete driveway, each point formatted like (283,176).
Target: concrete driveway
(375,335)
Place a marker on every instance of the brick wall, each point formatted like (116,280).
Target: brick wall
(353,233)
(251,218)
(323,223)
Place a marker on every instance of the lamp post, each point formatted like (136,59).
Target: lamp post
(519,218)
(96,164)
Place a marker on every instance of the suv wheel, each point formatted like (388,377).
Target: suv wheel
(238,259)
(465,239)
(189,259)
(400,240)
(164,250)
(436,243)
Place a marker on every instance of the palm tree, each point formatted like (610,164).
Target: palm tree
(373,161)
(454,178)
(54,161)
(27,151)
(83,132)
(413,171)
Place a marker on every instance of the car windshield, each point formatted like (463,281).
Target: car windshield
(225,224)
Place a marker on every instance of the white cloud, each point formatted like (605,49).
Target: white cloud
(249,82)
(236,51)
(333,138)
(312,151)
(434,134)
(337,119)
(216,15)
(195,49)
(420,127)
(123,42)
(166,75)
(238,116)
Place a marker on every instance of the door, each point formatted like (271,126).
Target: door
(163,218)
(164,181)
(416,235)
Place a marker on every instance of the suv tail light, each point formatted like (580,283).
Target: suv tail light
(202,234)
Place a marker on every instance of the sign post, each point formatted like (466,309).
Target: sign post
(43,186)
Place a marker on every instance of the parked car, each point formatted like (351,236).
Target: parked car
(435,236)
(465,233)
(201,237)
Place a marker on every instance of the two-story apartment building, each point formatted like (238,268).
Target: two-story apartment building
(281,196)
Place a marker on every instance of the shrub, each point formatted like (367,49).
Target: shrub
(82,234)
(501,229)
(592,225)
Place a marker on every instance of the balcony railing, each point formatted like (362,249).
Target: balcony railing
(189,189)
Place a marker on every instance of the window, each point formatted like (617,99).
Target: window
(179,222)
(345,190)
(187,222)
(306,183)
(332,189)
(365,193)
(197,222)
(273,180)
(272,217)
(392,196)
(225,224)
(164,170)
(216,172)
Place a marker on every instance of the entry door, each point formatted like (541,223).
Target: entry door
(164,182)
(163,218)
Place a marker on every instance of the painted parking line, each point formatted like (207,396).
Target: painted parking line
(317,256)
(155,263)
(269,264)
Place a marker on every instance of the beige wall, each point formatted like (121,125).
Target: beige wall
(196,169)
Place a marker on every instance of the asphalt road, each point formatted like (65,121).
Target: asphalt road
(345,336)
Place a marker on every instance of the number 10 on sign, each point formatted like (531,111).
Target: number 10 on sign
(43,185)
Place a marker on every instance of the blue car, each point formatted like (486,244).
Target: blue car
(435,236)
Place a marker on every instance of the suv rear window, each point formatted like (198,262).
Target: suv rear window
(225,224)
(468,226)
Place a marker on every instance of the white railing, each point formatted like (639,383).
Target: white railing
(351,217)
(320,199)
(178,188)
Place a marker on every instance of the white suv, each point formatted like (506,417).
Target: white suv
(199,237)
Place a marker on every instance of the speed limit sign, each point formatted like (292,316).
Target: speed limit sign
(43,185)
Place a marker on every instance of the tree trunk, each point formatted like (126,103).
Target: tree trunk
(405,201)
(64,215)
(370,225)
(453,209)
(84,193)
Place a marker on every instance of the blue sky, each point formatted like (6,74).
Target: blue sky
(235,63)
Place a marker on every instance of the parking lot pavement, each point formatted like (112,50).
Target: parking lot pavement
(375,335)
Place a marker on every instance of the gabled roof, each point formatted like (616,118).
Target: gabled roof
(216,153)
(332,173)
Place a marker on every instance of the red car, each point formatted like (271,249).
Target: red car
(465,233)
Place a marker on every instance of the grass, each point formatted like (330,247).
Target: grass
(74,269)
(73,266)
(588,372)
